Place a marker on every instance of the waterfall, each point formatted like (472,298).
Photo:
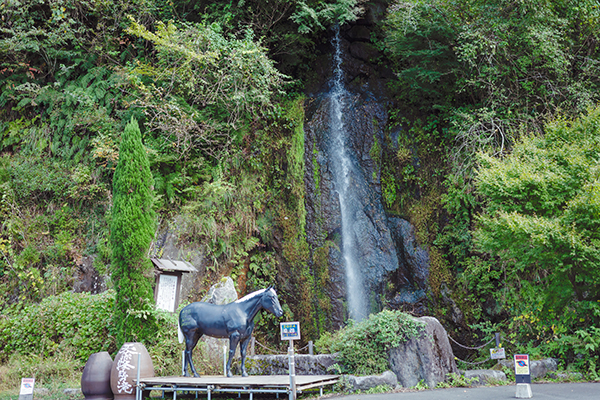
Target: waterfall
(344,172)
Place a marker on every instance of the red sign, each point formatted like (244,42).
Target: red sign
(521,364)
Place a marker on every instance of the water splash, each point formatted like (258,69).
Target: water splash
(344,170)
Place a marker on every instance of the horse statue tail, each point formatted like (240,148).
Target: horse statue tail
(180,334)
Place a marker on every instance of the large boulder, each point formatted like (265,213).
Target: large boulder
(428,357)
(222,292)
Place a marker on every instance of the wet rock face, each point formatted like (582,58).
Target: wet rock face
(375,248)
(363,51)
(412,276)
(386,247)
(88,278)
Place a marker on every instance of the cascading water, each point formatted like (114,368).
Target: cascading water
(343,171)
(359,254)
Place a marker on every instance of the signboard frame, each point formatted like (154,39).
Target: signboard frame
(167,291)
(289,330)
(522,368)
(27,385)
(497,353)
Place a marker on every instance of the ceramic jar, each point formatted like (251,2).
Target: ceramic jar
(124,370)
(95,379)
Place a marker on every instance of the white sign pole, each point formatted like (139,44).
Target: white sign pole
(291,331)
(225,356)
(292,363)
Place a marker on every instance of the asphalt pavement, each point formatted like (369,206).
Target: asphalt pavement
(541,391)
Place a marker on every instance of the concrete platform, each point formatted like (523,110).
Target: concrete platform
(237,384)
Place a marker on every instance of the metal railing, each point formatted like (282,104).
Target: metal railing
(496,338)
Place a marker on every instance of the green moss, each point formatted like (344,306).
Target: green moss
(375,154)
(389,187)
(295,157)
(316,174)
(320,262)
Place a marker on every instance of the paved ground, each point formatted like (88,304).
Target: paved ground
(545,391)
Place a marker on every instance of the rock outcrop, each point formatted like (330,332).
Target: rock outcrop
(484,376)
(279,364)
(428,357)
(386,249)
(370,381)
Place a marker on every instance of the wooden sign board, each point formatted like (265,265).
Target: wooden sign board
(166,297)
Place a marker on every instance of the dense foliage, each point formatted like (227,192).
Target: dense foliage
(513,225)
(78,323)
(499,150)
(363,346)
(542,210)
(52,340)
(540,220)
(216,116)
(131,232)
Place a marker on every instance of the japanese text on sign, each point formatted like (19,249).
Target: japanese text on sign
(290,330)
(497,353)
(521,364)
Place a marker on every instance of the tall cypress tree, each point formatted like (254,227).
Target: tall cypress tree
(132,230)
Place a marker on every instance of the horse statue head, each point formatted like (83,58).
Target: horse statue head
(270,302)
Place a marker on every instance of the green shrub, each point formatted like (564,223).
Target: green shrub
(74,322)
(363,346)
(132,230)
(456,380)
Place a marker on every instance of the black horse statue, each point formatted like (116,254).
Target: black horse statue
(234,320)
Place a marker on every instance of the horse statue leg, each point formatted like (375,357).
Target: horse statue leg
(234,339)
(243,347)
(191,339)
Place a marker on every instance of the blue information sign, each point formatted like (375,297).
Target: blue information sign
(290,330)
